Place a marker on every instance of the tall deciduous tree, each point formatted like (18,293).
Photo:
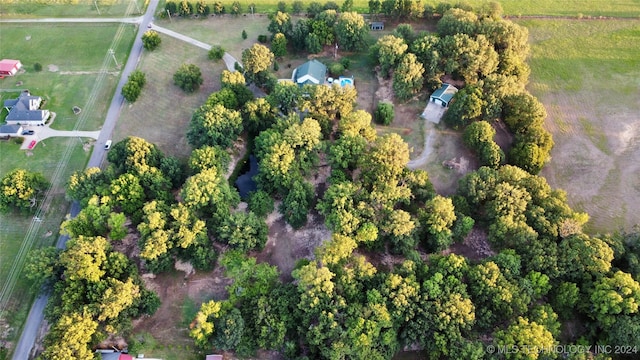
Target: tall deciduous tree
(214,126)
(408,77)
(19,190)
(256,60)
(151,40)
(279,45)
(388,51)
(351,31)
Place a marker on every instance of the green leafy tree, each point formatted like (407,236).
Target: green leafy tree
(188,78)
(279,45)
(466,107)
(185,8)
(41,266)
(133,87)
(346,152)
(236,8)
(229,329)
(458,21)
(214,126)
(297,7)
(84,258)
(437,219)
(82,185)
(216,53)
(256,61)
(614,296)
(408,77)
(209,192)
(127,193)
(207,157)
(280,23)
(202,328)
(70,337)
(297,203)
(351,30)
(260,203)
(171,7)
(19,190)
(533,338)
(374,7)
(285,97)
(244,231)
(388,51)
(135,155)
(202,8)
(313,44)
(151,40)
(582,257)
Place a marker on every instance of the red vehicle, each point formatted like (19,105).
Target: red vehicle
(32,144)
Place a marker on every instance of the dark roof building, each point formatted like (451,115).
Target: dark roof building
(10,130)
(312,72)
(443,95)
(25,110)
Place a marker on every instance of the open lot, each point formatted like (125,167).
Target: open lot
(590,90)
(163,111)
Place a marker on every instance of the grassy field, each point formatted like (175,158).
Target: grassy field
(81,8)
(618,8)
(590,90)
(72,75)
(163,111)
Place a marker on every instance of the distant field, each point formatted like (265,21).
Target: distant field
(587,74)
(621,8)
(75,8)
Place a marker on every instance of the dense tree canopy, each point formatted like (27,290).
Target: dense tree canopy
(20,190)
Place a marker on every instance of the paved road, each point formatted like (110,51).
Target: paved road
(36,314)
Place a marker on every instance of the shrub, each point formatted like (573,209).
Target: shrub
(132,89)
(188,77)
(262,38)
(384,113)
(336,69)
(151,40)
(244,34)
(37,67)
(216,53)
(346,62)
(276,67)
(260,203)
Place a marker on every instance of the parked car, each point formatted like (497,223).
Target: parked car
(107,145)
(28,132)
(32,144)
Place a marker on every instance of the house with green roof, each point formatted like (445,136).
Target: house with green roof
(443,95)
(312,72)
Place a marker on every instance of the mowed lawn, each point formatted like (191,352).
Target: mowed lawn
(586,73)
(82,8)
(76,81)
(162,113)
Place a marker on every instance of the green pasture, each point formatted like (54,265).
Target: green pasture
(586,73)
(573,8)
(162,113)
(72,8)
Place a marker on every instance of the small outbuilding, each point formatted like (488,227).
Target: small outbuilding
(377,25)
(443,95)
(312,72)
(9,67)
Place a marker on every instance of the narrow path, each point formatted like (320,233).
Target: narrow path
(229,60)
(429,138)
(128,20)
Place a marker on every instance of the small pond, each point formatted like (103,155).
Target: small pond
(245,183)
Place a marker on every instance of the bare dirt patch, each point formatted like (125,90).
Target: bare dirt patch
(286,245)
(596,159)
(474,247)
(53,68)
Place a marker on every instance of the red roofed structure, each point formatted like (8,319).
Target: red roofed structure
(9,67)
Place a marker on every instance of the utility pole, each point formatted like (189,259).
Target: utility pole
(113,54)
(335,52)
(95,2)
(168,13)
(137,6)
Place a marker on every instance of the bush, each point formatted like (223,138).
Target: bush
(132,89)
(188,77)
(336,69)
(37,67)
(276,67)
(384,113)
(346,62)
(151,40)
(260,203)
(216,53)
(262,39)
(244,34)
